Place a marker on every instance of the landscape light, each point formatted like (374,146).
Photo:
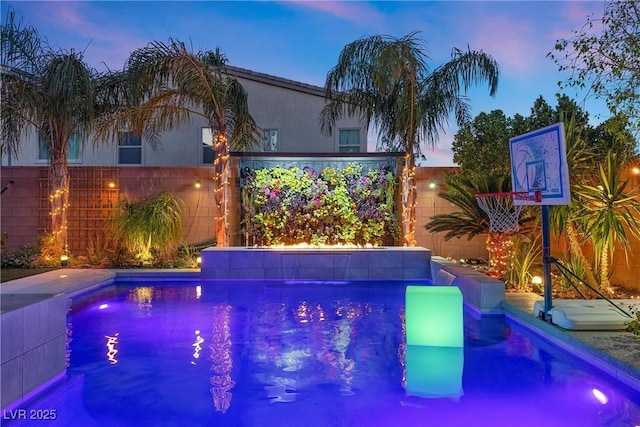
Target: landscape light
(64,260)
(197,184)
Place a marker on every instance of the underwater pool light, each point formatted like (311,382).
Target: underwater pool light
(600,396)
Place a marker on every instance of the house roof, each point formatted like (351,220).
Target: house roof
(243,73)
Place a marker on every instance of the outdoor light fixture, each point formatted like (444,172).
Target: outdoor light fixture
(112,184)
(635,170)
(434,357)
(433,316)
(432,185)
(199,260)
(600,396)
(197,184)
(536,281)
(8,186)
(64,260)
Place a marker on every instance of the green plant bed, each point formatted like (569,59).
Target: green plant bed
(293,206)
(7,274)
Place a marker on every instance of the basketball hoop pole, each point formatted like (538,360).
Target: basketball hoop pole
(546,262)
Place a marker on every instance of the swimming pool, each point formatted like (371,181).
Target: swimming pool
(306,354)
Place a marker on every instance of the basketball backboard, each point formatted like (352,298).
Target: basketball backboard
(539,163)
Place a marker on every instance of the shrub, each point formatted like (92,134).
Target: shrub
(152,223)
(526,255)
(25,257)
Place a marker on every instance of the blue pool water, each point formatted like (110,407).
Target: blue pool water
(308,355)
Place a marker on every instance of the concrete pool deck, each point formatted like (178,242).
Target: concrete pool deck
(33,328)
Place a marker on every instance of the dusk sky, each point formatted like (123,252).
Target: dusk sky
(301,40)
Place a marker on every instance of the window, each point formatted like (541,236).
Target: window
(73,148)
(349,141)
(270,141)
(129,148)
(207,146)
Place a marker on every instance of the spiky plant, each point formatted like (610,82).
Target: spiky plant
(154,222)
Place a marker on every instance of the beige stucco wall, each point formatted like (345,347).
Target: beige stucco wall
(430,182)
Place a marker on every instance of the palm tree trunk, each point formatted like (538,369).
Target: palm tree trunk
(409,201)
(220,180)
(499,246)
(59,197)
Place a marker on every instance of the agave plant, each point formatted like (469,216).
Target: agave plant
(154,222)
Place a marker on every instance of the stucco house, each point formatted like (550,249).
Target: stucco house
(287,112)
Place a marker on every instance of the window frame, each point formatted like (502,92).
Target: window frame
(265,139)
(129,147)
(43,147)
(205,146)
(340,145)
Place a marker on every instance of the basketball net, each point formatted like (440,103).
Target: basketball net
(503,214)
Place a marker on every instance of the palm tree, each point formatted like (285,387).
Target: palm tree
(168,84)
(53,92)
(471,220)
(386,80)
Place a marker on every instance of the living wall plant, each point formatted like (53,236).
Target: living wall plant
(332,207)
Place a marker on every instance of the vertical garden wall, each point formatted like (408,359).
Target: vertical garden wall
(324,199)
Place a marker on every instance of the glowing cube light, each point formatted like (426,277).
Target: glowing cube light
(434,371)
(433,316)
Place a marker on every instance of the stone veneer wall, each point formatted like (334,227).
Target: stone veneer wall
(358,264)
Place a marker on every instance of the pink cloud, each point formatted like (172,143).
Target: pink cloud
(357,12)
(83,30)
(574,18)
(515,44)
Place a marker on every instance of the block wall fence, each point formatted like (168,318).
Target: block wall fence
(24,208)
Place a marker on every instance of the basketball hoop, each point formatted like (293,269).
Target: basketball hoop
(503,214)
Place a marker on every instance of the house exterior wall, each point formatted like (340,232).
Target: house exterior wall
(292,108)
(294,111)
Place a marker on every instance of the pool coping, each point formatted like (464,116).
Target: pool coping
(615,352)
(595,347)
